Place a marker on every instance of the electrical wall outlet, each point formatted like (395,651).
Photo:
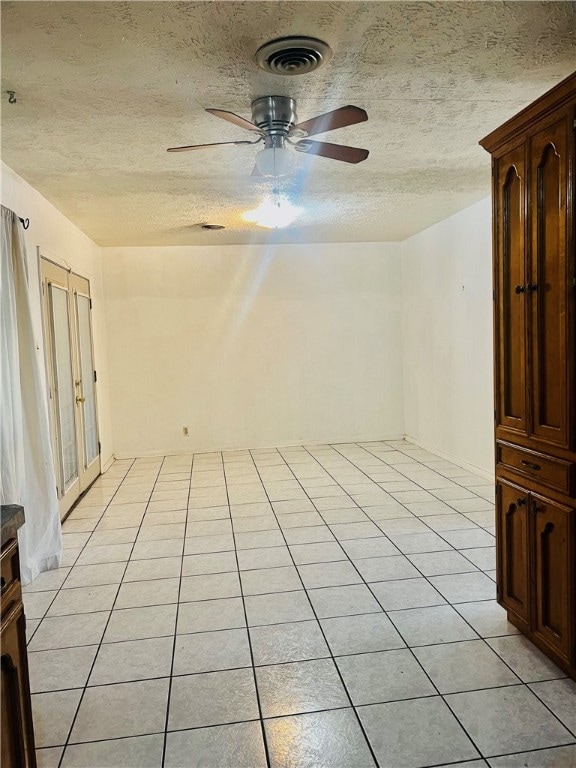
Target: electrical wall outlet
(185,431)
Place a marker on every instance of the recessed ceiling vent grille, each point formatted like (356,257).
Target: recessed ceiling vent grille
(293,55)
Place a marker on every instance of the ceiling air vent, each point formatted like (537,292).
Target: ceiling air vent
(293,55)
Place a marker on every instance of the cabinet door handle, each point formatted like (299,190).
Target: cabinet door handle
(531,465)
(535,508)
(532,287)
(520,502)
(519,289)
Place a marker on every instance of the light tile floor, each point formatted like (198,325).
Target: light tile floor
(294,608)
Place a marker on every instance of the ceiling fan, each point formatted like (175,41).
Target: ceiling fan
(275,122)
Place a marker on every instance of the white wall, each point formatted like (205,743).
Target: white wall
(65,244)
(447,331)
(253,346)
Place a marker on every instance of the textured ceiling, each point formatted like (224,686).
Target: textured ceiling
(104,87)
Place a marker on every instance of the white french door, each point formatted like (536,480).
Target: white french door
(71,381)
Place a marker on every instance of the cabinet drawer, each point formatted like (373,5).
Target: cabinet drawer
(555,473)
(9,565)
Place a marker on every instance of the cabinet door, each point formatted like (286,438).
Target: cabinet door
(17,730)
(550,530)
(510,285)
(548,288)
(512,522)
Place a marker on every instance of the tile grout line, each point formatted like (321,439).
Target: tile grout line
(284,663)
(82,548)
(254,678)
(505,662)
(171,673)
(487,644)
(279,623)
(438,533)
(407,555)
(246,570)
(421,666)
(414,482)
(85,687)
(250,570)
(352,706)
(406,453)
(277,717)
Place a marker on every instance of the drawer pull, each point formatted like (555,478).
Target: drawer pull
(531,465)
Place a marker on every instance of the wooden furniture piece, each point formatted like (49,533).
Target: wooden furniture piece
(533,188)
(17,729)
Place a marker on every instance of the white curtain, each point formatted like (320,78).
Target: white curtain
(26,466)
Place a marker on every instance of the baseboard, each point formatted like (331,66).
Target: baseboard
(450,457)
(106,466)
(287,444)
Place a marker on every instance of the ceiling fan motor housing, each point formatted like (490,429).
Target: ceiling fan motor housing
(275,116)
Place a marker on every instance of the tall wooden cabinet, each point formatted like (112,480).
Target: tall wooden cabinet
(533,190)
(17,734)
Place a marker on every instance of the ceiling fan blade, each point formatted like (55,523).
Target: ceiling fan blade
(332,151)
(204,146)
(338,118)
(235,119)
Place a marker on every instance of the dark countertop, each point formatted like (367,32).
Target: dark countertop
(12,519)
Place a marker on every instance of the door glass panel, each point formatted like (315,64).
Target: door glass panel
(87,376)
(63,386)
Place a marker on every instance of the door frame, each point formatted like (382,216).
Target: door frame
(51,271)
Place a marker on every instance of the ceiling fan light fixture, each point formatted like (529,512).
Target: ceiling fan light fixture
(273,213)
(276,161)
